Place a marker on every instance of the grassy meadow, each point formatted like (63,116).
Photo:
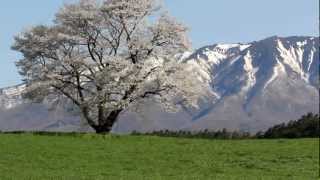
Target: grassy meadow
(89,156)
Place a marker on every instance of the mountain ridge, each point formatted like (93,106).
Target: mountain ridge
(262,63)
(248,82)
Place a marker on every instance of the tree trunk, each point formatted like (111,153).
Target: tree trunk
(104,126)
(102,129)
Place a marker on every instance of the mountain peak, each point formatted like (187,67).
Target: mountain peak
(254,80)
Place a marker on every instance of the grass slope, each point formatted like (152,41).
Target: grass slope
(28,156)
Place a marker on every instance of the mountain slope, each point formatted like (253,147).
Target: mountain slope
(17,113)
(265,83)
(253,86)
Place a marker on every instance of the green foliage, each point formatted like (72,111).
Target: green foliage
(90,156)
(306,126)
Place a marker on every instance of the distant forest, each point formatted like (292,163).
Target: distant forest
(305,127)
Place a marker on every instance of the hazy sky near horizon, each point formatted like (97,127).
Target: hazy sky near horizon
(210,21)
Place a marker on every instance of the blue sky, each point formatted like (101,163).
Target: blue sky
(210,21)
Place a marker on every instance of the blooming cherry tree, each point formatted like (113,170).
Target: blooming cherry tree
(106,56)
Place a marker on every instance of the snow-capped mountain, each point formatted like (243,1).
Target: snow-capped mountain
(253,86)
(17,113)
(259,84)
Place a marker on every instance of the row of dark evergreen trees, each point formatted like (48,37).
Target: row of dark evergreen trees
(305,127)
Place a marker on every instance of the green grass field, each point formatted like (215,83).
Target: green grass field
(28,156)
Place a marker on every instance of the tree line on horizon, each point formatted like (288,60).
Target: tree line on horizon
(305,127)
(308,126)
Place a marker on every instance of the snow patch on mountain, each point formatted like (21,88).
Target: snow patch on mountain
(277,70)
(251,71)
(11,97)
